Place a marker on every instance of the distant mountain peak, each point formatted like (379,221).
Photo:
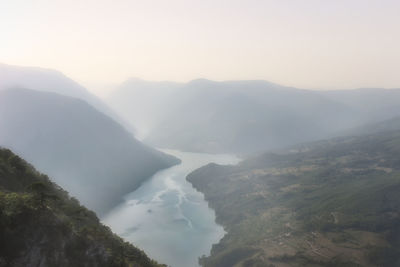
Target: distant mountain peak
(50,80)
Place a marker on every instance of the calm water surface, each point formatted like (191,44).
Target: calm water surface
(167,217)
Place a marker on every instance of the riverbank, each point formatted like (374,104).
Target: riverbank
(167,217)
(335,204)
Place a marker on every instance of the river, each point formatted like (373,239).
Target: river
(167,217)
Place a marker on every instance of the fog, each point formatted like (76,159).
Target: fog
(88,146)
(245,116)
(141,102)
(82,149)
(212,133)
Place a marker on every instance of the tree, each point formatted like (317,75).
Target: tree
(42,192)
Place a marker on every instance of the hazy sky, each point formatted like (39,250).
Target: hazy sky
(303,43)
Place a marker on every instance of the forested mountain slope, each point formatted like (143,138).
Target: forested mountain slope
(40,225)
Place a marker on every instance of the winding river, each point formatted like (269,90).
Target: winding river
(167,217)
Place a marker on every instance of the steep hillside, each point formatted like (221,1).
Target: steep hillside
(329,203)
(40,225)
(247,116)
(86,152)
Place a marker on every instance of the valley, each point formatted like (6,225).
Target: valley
(212,133)
(300,197)
(168,218)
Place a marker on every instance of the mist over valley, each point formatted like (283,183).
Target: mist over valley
(205,133)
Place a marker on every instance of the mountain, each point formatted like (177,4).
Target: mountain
(42,226)
(141,103)
(392,124)
(49,80)
(328,203)
(85,151)
(376,103)
(249,116)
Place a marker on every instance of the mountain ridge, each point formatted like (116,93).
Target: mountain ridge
(245,116)
(51,80)
(85,151)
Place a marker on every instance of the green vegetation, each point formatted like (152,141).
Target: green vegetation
(329,203)
(40,225)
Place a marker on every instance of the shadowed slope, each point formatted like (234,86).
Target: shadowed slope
(86,152)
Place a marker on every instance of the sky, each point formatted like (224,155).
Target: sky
(315,44)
